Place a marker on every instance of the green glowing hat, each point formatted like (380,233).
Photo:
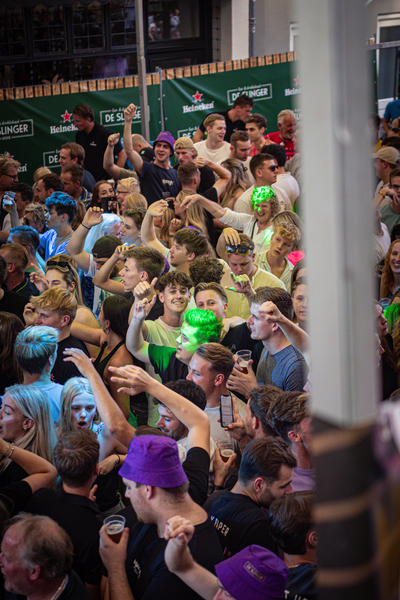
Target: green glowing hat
(262,194)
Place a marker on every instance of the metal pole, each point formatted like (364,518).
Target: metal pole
(161,98)
(252,28)
(141,62)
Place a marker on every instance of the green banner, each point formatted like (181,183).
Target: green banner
(188,100)
(33,130)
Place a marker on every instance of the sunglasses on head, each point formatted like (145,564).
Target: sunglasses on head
(58,263)
(239,249)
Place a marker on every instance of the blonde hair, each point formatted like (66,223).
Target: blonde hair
(239,180)
(166,219)
(58,300)
(194,215)
(288,231)
(40,173)
(135,200)
(33,404)
(289,217)
(70,274)
(72,388)
(130,183)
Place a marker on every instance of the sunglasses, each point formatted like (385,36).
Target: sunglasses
(58,263)
(240,249)
(273,168)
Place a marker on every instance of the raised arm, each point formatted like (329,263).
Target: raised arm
(93,217)
(87,334)
(40,472)
(134,380)
(179,560)
(133,156)
(111,415)
(212,207)
(135,341)
(108,161)
(102,277)
(224,175)
(296,336)
(148,232)
(121,160)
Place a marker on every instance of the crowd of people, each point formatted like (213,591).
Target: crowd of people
(155,362)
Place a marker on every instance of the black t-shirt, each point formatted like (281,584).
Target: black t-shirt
(13,303)
(62,371)
(74,590)
(17,494)
(12,474)
(207,179)
(82,520)
(155,180)
(239,338)
(231,127)
(148,575)
(95,144)
(26,288)
(301,582)
(239,523)
(165,363)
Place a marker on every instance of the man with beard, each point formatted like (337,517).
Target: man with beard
(265,474)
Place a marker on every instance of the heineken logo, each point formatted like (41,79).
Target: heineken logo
(294,90)
(115,116)
(255,92)
(62,128)
(197,96)
(16,128)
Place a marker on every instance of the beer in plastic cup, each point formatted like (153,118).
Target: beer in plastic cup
(114,526)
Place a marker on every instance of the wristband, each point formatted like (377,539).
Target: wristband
(119,460)
(88,228)
(218,487)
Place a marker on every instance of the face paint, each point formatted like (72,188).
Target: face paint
(261,194)
(187,343)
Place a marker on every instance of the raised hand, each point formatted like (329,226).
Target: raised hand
(113,139)
(93,216)
(29,314)
(130,112)
(231,236)
(80,360)
(38,279)
(270,312)
(132,380)
(144,289)
(158,208)
(142,308)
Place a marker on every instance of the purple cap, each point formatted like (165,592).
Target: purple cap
(153,460)
(165,136)
(254,573)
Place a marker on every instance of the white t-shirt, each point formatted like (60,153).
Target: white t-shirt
(238,305)
(262,261)
(213,155)
(217,432)
(243,203)
(381,243)
(287,182)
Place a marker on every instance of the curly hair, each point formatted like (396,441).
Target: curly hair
(265,194)
(208,326)
(206,269)
(174,278)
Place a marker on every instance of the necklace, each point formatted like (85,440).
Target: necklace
(61,588)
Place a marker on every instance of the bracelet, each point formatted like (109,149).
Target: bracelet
(218,487)
(119,460)
(6,450)
(88,228)
(12,450)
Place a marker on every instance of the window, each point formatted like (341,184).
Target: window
(49,31)
(88,27)
(123,26)
(12,32)
(173,20)
(388,30)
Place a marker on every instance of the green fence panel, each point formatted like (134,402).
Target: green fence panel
(33,130)
(188,100)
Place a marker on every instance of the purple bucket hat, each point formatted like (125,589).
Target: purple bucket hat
(166,136)
(153,460)
(254,573)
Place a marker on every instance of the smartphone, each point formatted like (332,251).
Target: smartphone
(225,410)
(109,204)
